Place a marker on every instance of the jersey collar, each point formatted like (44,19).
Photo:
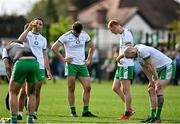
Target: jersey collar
(36,33)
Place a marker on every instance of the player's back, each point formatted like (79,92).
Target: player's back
(158,58)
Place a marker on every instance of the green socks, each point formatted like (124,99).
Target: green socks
(156,113)
(85,109)
(127,113)
(160,100)
(153,113)
(30,119)
(13,119)
(73,109)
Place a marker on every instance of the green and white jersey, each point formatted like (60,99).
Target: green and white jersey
(37,43)
(125,38)
(158,58)
(75,46)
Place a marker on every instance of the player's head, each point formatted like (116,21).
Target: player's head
(115,27)
(130,52)
(77,27)
(38,22)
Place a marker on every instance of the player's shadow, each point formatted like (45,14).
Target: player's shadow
(163,120)
(58,118)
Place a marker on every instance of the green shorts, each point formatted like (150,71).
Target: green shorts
(76,70)
(167,72)
(41,74)
(25,69)
(124,73)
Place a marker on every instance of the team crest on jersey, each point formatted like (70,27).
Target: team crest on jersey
(77,41)
(36,42)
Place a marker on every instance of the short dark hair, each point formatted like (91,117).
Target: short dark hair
(77,27)
(39,18)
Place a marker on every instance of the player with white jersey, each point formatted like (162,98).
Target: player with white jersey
(38,44)
(75,42)
(124,72)
(159,69)
(74,46)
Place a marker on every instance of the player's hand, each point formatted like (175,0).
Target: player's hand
(158,86)
(117,59)
(31,25)
(87,62)
(49,75)
(68,59)
(151,85)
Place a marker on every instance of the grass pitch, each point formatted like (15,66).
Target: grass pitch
(104,103)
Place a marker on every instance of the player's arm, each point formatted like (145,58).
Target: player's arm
(23,36)
(55,49)
(91,46)
(121,55)
(7,64)
(144,68)
(46,61)
(152,74)
(151,70)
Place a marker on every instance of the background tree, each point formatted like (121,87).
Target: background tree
(62,26)
(37,10)
(49,10)
(57,29)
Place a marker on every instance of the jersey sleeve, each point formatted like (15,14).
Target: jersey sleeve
(45,44)
(87,37)
(4,54)
(62,39)
(128,38)
(144,53)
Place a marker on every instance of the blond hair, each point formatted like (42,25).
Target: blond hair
(128,50)
(112,23)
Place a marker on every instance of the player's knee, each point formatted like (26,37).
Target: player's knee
(115,89)
(151,90)
(87,88)
(71,88)
(125,91)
